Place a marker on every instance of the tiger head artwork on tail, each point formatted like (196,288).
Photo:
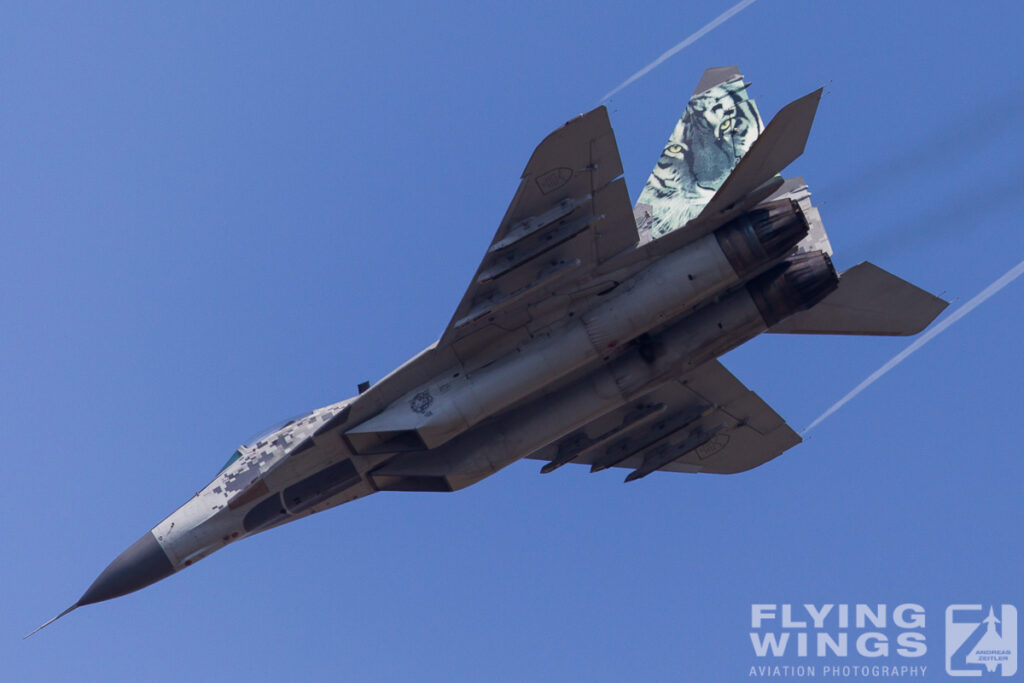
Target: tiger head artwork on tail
(718,126)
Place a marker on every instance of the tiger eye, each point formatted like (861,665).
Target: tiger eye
(725,124)
(675,149)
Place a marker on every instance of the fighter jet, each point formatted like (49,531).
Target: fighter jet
(588,335)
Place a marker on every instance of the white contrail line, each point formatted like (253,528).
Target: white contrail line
(978,300)
(712,25)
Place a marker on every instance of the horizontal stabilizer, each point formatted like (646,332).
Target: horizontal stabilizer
(868,301)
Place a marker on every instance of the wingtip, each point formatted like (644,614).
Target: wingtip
(68,610)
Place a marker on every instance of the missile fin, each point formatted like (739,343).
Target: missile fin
(655,460)
(576,448)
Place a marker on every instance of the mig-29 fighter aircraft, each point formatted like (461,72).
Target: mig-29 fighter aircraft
(588,335)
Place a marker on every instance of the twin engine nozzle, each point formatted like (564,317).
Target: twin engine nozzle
(764,235)
(796,284)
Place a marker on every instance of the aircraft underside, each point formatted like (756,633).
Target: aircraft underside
(589,335)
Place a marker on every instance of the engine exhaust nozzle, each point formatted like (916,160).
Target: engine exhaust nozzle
(763,235)
(796,284)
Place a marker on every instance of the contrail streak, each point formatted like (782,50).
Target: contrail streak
(707,28)
(978,300)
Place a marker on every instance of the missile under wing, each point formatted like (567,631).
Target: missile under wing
(589,334)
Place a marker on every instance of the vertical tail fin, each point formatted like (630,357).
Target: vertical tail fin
(718,126)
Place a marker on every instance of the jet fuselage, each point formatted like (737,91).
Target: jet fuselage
(682,311)
(589,334)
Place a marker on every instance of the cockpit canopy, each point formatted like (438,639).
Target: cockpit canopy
(253,440)
(234,456)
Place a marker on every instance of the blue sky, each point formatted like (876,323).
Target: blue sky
(215,216)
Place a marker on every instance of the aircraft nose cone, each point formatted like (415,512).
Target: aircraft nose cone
(143,563)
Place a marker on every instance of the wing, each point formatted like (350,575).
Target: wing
(570,213)
(706,421)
